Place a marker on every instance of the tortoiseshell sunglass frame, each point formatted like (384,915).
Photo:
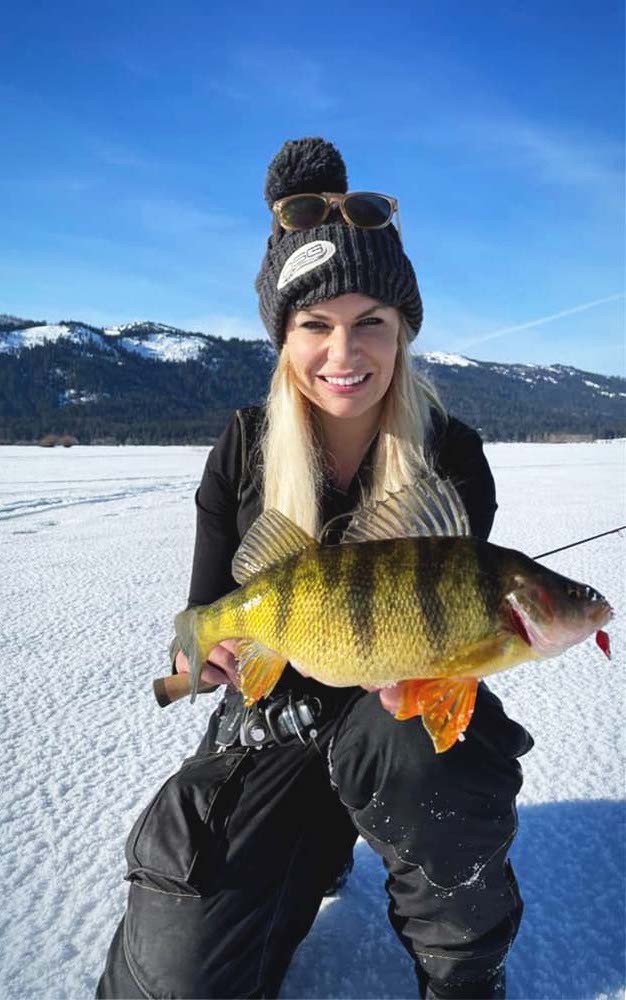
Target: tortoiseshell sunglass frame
(333,200)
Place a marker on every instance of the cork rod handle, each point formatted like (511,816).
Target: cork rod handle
(169,689)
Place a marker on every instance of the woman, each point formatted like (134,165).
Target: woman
(229,863)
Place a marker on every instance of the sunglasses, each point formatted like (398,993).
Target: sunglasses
(363,209)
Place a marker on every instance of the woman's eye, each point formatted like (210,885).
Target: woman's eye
(318,324)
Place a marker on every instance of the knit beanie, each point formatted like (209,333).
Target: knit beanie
(309,266)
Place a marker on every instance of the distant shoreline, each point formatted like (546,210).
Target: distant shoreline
(557,439)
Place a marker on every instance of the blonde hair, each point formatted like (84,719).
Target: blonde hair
(293,460)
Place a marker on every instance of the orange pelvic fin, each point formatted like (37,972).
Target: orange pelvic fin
(260,669)
(446,705)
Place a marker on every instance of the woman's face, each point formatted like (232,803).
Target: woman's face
(342,353)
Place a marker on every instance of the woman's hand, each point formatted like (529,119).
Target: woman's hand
(220,666)
(390,697)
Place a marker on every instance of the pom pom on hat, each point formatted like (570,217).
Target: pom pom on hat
(311,165)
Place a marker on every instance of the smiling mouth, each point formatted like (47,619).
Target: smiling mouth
(347,380)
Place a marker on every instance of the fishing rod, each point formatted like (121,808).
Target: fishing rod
(581,542)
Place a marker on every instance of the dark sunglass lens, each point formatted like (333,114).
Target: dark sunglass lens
(303,212)
(368,210)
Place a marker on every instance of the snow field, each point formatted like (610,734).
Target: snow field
(96,550)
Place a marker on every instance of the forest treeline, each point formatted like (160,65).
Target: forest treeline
(99,392)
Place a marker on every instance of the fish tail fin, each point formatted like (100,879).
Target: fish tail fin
(446,705)
(187,632)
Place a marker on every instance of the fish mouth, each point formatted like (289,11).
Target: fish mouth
(550,637)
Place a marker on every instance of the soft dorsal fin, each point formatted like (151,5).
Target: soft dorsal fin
(272,538)
(430,506)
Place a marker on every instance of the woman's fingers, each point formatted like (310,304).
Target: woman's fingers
(181,663)
(220,667)
(232,645)
(391,697)
(224,660)
(215,675)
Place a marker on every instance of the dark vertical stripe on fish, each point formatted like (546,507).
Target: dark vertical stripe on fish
(285,584)
(360,567)
(427,571)
(330,565)
(487,577)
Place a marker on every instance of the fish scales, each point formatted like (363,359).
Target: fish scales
(463,611)
(308,616)
(285,583)
(389,603)
(355,630)
(433,585)
(427,570)
(490,562)
(360,614)
(460,605)
(361,591)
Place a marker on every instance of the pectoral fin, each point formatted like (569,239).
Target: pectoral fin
(446,705)
(260,669)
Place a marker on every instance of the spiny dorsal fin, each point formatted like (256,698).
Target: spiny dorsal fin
(430,506)
(272,538)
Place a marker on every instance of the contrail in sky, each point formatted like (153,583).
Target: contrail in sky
(542,320)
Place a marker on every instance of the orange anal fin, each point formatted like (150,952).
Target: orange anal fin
(445,704)
(260,669)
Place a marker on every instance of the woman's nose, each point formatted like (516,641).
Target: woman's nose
(342,346)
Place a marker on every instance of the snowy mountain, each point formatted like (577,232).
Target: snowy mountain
(160,342)
(531,374)
(15,337)
(151,383)
(154,341)
(517,402)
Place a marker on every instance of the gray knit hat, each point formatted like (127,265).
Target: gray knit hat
(301,268)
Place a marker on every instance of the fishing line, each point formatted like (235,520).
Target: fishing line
(581,542)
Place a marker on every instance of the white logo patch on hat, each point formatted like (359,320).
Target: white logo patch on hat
(305,259)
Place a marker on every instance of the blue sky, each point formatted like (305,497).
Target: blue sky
(136,136)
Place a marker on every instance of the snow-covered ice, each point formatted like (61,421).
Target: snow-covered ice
(96,550)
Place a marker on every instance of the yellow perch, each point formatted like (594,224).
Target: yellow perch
(436,611)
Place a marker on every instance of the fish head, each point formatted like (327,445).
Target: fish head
(552,612)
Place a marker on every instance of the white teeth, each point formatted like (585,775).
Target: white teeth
(351,380)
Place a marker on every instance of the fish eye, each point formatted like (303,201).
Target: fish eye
(582,593)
